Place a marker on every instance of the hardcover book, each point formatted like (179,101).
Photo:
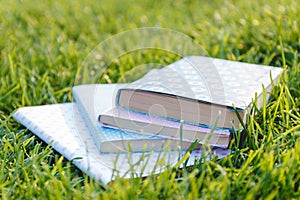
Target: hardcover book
(200,90)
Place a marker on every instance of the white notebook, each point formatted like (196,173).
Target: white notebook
(69,135)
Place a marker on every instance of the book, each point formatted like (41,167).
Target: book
(200,90)
(63,127)
(124,119)
(95,99)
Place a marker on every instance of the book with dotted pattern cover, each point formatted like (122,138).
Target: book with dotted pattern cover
(63,127)
(209,80)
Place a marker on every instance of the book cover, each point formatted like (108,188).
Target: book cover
(144,123)
(62,126)
(196,89)
(97,98)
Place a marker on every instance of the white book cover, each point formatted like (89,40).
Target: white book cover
(209,80)
(62,126)
(197,89)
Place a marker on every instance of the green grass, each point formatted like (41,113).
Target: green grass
(42,44)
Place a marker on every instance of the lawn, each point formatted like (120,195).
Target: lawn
(43,44)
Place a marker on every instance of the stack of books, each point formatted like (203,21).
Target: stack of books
(193,98)
(167,109)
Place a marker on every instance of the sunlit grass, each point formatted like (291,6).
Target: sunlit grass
(42,44)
